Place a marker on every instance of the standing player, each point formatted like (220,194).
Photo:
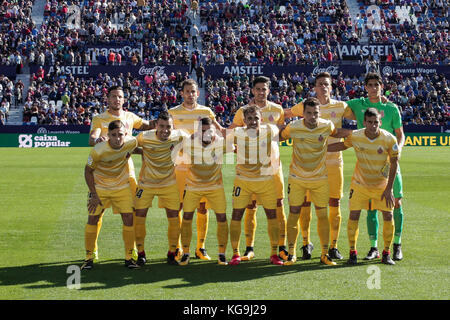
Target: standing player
(332,110)
(308,173)
(157,178)
(204,181)
(271,113)
(391,121)
(377,154)
(257,162)
(184,117)
(106,175)
(99,132)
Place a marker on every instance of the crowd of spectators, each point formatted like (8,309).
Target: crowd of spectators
(423,99)
(10,96)
(64,100)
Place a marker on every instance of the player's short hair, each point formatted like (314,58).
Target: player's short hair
(115,124)
(372,76)
(311,102)
(164,115)
(112,88)
(206,121)
(261,79)
(250,109)
(323,75)
(188,82)
(371,112)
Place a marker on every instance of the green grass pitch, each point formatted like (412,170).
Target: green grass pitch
(43,201)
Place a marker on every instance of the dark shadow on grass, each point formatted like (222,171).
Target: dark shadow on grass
(112,273)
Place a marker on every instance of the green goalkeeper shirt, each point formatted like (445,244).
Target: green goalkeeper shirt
(390,115)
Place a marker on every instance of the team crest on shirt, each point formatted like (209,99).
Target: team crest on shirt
(320,138)
(271,118)
(382,113)
(171,147)
(380,150)
(333,114)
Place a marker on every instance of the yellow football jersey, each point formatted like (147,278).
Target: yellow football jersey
(205,167)
(272,113)
(158,165)
(129,119)
(333,111)
(372,165)
(309,148)
(111,165)
(186,119)
(257,157)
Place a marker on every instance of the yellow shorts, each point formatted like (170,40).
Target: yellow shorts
(120,200)
(318,192)
(278,181)
(263,191)
(216,199)
(167,197)
(180,175)
(367,198)
(335,182)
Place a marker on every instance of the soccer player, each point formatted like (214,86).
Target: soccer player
(271,113)
(332,110)
(308,173)
(377,154)
(184,117)
(204,181)
(157,178)
(99,132)
(391,121)
(106,174)
(257,162)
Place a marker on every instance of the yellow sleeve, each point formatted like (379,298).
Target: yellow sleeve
(286,133)
(281,120)
(137,121)
(297,110)
(92,159)
(393,149)
(140,139)
(95,125)
(348,112)
(238,119)
(348,141)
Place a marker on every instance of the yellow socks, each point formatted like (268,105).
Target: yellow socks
(352,233)
(222,236)
(281,217)
(274,233)
(173,233)
(292,232)
(250,226)
(128,236)
(140,232)
(305,220)
(99,227)
(202,228)
(388,233)
(186,235)
(235,235)
(323,229)
(335,225)
(90,237)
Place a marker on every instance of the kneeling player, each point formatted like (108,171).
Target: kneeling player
(372,182)
(157,178)
(204,181)
(106,175)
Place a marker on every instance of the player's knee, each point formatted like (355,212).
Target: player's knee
(306,204)
(237,214)
(188,215)
(93,220)
(279,202)
(252,205)
(221,217)
(354,215)
(387,216)
(295,209)
(127,219)
(172,213)
(333,202)
(141,213)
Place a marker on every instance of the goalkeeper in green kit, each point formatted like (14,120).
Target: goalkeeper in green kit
(391,121)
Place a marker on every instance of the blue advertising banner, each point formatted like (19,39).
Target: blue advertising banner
(113,71)
(414,70)
(222,71)
(44,129)
(8,71)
